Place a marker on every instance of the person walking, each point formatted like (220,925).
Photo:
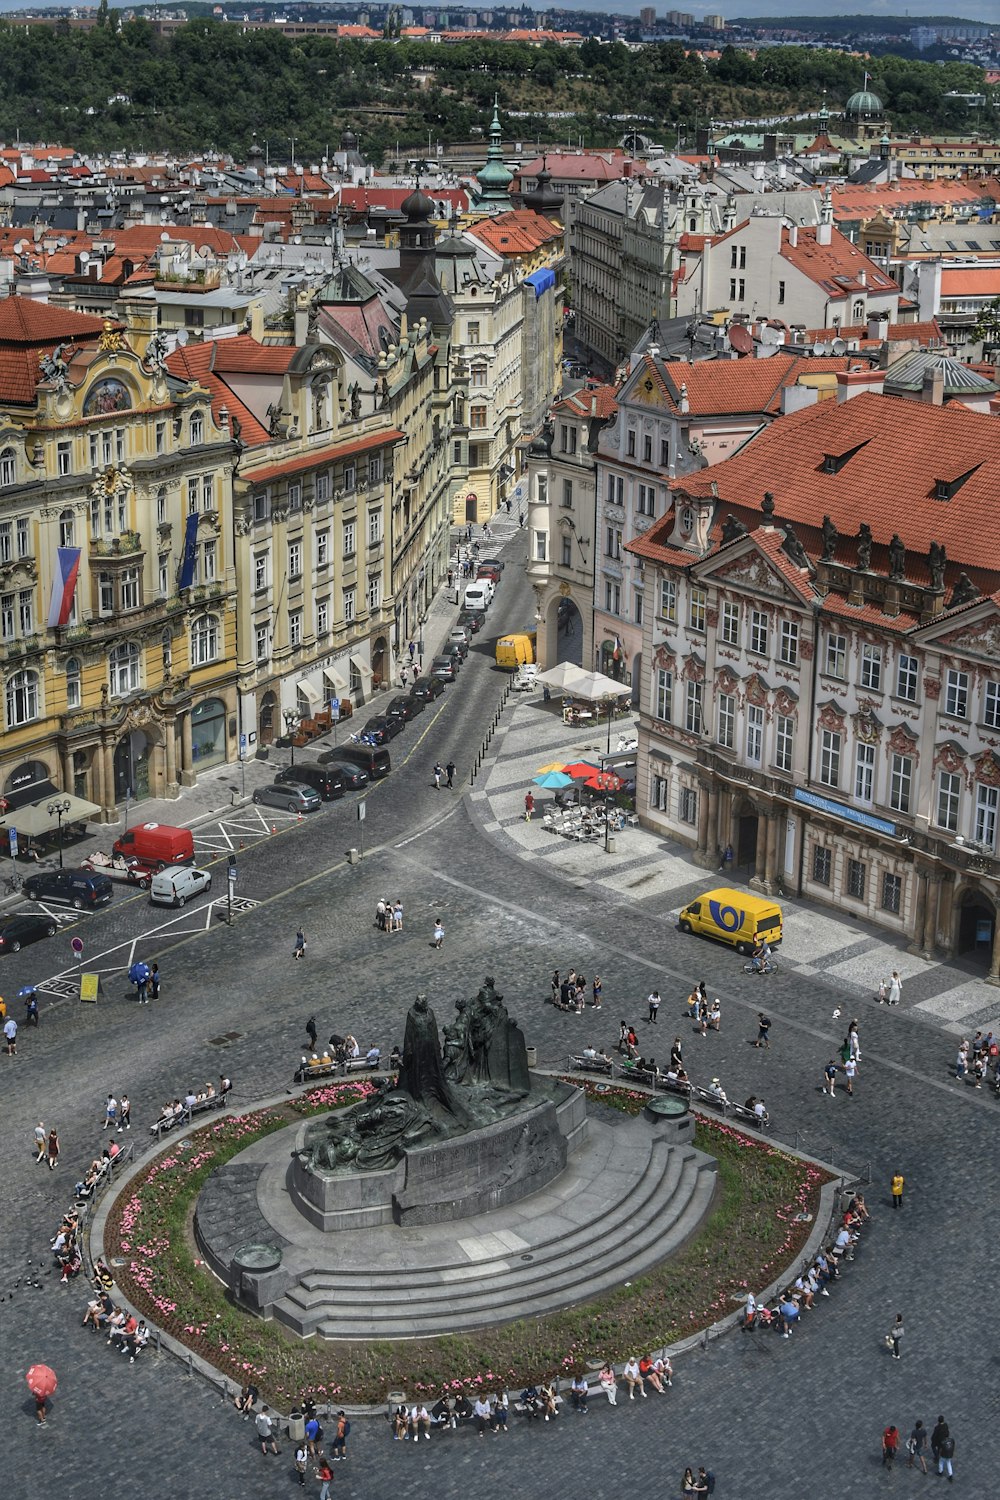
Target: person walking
(52,1149)
(915,1445)
(622,1037)
(437,773)
(31,1008)
(10,1034)
(124,1114)
(830,1078)
(154,981)
(110,1113)
(301,1463)
(894,1335)
(654,1004)
(850,1071)
(39,1142)
(397,916)
(895,988)
(450,769)
(890,1442)
(311,1033)
(529,805)
(300,945)
(946,1452)
(265,1431)
(325,1476)
(763,1027)
(438,933)
(598,990)
(896,1188)
(338,1448)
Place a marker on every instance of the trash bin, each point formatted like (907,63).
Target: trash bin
(610,844)
(296,1425)
(353,857)
(531,1054)
(263,752)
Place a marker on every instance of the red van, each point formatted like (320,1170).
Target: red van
(157,845)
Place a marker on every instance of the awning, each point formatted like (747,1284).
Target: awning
(333,679)
(309,693)
(34,819)
(360,665)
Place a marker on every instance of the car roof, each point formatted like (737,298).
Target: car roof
(173,869)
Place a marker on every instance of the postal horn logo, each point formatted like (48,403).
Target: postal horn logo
(729,918)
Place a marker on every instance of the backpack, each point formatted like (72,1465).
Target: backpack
(710,1481)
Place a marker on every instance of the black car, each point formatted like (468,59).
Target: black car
(24,927)
(473,620)
(457,650)
(427,688)
(381,728)
(321,778)
(491,562)
(445,668)
(351,777)
(79,888)
(405,709)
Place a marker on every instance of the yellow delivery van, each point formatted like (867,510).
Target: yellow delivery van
(733,917)
(515,650)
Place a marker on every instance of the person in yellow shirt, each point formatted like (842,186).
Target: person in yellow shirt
(897,1185)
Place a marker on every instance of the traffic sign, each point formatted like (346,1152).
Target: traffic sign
(361,810)
(243,747)
(77,946)
(335,710)
(12,834)
(232,869)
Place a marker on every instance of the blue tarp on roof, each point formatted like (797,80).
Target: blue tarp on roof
(542,281)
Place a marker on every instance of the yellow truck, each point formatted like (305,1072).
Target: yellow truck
(734,917)
(514,651)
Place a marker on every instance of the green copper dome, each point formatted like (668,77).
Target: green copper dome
(864,104)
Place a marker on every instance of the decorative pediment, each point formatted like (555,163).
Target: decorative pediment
(749,571)
(786,702)
(664,659)
(831,716)
(757,690)
(727,681)
(976,633)
(986,768)
(694,668)
(950,757)
(902,741)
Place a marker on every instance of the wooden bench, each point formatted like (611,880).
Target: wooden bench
(592,1065)
(162,1125)
(361,1065)
(307,1070)
(706,1097)
(673,1086)
(759,1122)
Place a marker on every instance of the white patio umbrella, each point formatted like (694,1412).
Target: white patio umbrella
(563,677)
(594,685)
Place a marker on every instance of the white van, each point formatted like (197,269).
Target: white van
(177,884)
(478,594)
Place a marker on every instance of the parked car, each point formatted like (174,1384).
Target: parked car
(156,844)
(321,778)
(427,688)
(129,871)
(352,777)
(405,708)
(473,620)
(24,927)
(492,562)
(461,634)
(78,888)
(456,652)
(490,571)
(381,728)
(374,760)
(293,795)
(444,667)
(177,884)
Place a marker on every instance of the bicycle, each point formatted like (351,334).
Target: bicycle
(13,884)
(770,967)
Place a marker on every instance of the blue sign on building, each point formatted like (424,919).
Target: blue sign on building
(849,814)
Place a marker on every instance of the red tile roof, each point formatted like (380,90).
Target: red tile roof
(975,281)
(243,355)
(28,329)
(825,263)
(312,459)
(374,195)
(593,401)
(927,334)
(516,233)
(194,362)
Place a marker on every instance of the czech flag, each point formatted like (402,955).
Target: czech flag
(64,585)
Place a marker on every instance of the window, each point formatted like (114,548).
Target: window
(822,864)
(637,612)
(829,758)
(892,892)
(758,632)
(540,554)
(668,599)
(687,806)
(730,623)
(755,734)
(858,311)
(616,489)
(375,469)
(8,467)
(197,429)
(906,678)
(208,492)
(295,559)
(864,773)
(349,598)
(5,542)
(295,628)
(260,571)
(737,289)
(664,453)
(209,554)
(567,551)
(478,373)
(956,694)
(261,642)
(836,656)
(105,594)
(261,506)
(322,488)
(374,591)
(161,506)
(948,802)
(67,528)
(900,783)
(477,416)
(7,617)
(26,611)
(106,449)
(322,549)
(991,705)
(542,489)
(74,694)
(612,597)
(64,458)
(664,695)
(129,597)
(726,733)
(692,708)
(630,443)
(871,667)
(120,450)
(204,640)
(322,617)
(567,494)
(161,436)
(567,438)
(647,449)
(350,477)
(784,740)
(647,500)
(350,539)
(987,798)
(192,494)
(124,669)
(788,649)
(857,879)
(472,336)
(163,574)
(697,607)
(374,527)
(456,452)
(781,292)
(22,698)
(659,793)
(23,537)
(613,545)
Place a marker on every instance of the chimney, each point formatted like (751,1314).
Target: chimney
(862,278)
(795,397)
(684,404)
(793,236)
(824,233)
(878,325)
(933,392)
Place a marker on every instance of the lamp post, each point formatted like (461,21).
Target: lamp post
(292,721)
(59,808)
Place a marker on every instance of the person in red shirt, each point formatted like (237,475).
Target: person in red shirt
(890,1442)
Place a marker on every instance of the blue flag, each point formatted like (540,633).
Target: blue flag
(190,559)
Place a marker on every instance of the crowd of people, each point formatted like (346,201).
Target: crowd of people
(978,1061)
(176,1111)
(785,1312)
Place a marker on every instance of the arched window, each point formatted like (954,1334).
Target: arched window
(124,669)
(8,467)
(22,698)
(204,640)
(197,429)
(858,315)
(73,690)
(67,528)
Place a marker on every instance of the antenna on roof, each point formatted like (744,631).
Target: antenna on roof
(839,346)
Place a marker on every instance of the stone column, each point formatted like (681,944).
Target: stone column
(67,760)
(187,755)
(993,977)
(917,926)
(771,865)
(759,878)
(703,801)
(946,913)
(170,748)
(929,942)
(106,761)
(712,839)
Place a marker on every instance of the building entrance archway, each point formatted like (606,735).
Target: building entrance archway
(131,767)
(568,633)
(975,926)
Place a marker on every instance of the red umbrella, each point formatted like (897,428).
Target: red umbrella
(41,1381)
(604,781)
(581,769)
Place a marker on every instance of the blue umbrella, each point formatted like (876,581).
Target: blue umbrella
(553,779)
(139,973)
(25,991)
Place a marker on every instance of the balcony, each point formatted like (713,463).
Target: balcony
(125,545)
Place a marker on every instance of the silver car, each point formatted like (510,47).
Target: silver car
(295,796)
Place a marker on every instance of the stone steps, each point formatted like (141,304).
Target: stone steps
(573,1256)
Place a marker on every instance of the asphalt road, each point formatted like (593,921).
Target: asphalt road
(773,1419)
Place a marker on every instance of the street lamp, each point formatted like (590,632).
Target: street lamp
(59,809)
(292,720)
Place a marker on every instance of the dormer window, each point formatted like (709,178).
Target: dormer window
(944,489)
(834,462)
